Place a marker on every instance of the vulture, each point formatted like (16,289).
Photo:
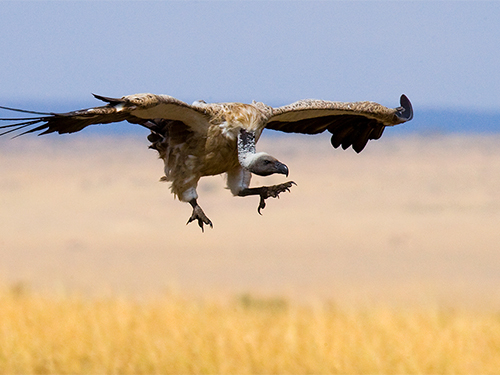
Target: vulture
(205,139)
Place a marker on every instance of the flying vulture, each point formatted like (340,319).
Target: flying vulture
(204,139)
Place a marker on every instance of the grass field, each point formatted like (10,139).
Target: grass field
(383,262)
(248,335)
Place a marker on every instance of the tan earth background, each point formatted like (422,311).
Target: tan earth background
(412,219)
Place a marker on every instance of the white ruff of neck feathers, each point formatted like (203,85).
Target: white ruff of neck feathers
(247,159)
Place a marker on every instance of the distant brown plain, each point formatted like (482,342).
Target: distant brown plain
(383,262)
(414,220)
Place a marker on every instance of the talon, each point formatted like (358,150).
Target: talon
(273,192)
(199,215)
(262,205)
(266,192)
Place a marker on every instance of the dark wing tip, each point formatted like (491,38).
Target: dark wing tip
(24,111)
(405,112)
(108,99)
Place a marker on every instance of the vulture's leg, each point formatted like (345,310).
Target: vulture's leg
(266,192)
(199,215)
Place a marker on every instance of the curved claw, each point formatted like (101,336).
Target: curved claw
(262,205)
(200,222)
(273,192)
(200,216)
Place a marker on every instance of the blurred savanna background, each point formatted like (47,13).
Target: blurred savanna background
(382,262)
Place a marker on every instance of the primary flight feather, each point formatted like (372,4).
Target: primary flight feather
(204,139)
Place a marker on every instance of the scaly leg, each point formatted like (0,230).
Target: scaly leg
(199,215)
(266,192)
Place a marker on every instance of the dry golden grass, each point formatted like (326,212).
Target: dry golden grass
(171,335)
(404,238)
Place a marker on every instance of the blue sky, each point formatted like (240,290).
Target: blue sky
(443,55)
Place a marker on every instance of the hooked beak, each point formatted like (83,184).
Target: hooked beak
(282,168)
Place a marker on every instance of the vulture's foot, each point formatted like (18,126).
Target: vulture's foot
(199,215)
(267,192)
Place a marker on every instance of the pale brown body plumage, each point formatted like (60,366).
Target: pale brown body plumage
(189,155)
(208,139)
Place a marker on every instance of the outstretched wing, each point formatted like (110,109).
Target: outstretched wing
(351,124)
(142,109)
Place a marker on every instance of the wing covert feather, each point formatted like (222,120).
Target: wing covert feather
(350,123)
(136,109)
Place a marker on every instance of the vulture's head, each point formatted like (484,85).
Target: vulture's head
(264,164)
